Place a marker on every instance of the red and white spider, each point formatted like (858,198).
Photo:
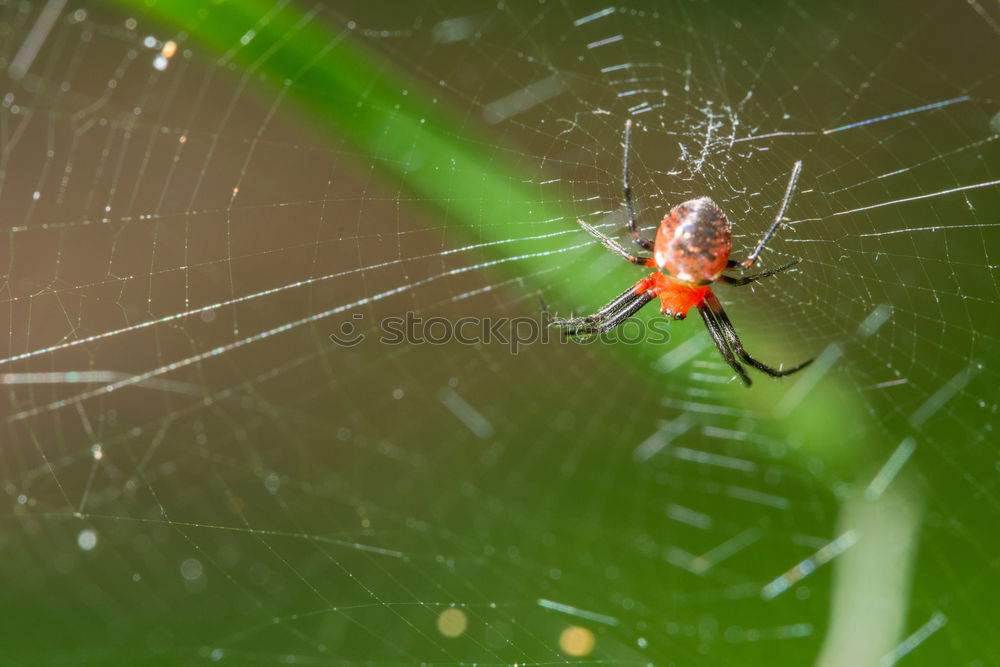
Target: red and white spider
(690,253)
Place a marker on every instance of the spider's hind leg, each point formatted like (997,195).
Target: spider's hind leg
(778,220)
(633,228)
(616,247)
(746,280)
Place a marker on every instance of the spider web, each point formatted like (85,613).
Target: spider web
(195,472)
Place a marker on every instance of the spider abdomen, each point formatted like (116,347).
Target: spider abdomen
(693,242)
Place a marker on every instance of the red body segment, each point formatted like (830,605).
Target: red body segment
(675,299)
(693,242)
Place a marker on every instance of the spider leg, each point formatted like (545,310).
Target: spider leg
(639,239)
(617,247)
(745,280)
(720,342)
(541,301)
(609,323)
(614,305)
(712,302)
(752,257)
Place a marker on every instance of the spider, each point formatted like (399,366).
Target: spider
(690,253)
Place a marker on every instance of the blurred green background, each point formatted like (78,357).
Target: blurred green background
(195,196)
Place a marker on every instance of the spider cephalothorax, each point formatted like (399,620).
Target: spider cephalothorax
(691,251)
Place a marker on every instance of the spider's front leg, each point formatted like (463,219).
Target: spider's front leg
(728,342)
(619,309)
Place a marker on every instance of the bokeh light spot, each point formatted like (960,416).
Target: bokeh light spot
(87,539)
(452,622)
(576,641)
